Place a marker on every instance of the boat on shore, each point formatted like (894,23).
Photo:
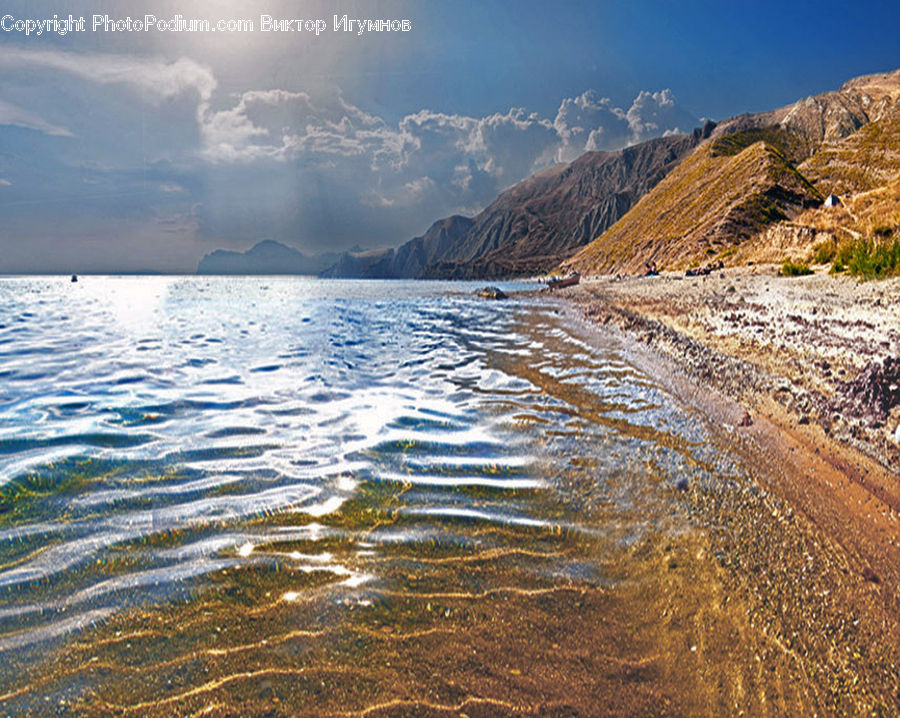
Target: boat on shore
(569,280)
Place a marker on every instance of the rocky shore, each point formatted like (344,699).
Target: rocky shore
(806,370)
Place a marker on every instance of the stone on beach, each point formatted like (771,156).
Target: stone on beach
(873,394)
(492,293)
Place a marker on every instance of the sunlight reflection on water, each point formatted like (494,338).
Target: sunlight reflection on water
(160,429)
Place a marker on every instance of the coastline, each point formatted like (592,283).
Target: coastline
(655,568)
(774,360)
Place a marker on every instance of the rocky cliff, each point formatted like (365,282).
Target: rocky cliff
(406,261)
(756,172)
(535,224)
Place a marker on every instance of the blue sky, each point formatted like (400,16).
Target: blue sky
(128,151)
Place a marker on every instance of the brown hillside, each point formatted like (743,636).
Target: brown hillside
(867,159)
(739,195)
(722,195)
(825,118)
(538,222)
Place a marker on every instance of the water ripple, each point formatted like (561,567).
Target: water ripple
(157,430)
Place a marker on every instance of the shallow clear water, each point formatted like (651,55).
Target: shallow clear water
(331,447)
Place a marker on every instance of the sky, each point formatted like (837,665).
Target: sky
(144,150)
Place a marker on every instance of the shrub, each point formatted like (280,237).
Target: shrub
(869,258)
(825,252)
(872,258)
(795,269)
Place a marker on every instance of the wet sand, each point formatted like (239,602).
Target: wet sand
(775,358)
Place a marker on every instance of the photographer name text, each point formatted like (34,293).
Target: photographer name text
(179,23)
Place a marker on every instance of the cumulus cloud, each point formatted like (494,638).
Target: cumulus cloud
(590,122)
(656,113)
(504,146)
(441,159)
(12,115)
(280,125)
(292,163)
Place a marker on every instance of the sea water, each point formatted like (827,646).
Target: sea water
(281,478)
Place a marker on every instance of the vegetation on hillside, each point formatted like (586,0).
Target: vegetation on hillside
(867,257)
(774,136)
(795,269)
(865,233)
(723,194)
(866,160)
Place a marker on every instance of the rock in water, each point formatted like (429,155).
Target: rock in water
(492,293)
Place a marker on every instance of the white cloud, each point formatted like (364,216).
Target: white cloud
(656,113)
(5,182)
(12,115)
(428,159)
(308,162)
(280,125)
(505,146)
(154,79)
(589,122)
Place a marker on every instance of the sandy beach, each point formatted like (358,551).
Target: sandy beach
(800,367)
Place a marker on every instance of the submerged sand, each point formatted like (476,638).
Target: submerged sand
(776,597)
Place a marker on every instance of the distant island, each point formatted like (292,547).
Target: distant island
(266,257)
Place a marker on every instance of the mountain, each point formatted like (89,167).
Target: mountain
(266,257)
(756,173)
(538,222)
(407,261)
(725,193)
(679,201)
(535,224)
(829,117)
(864,160)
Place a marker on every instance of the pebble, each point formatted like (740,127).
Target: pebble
(869,575)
